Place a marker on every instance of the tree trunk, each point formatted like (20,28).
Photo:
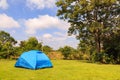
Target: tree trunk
(98,46)
(98,41)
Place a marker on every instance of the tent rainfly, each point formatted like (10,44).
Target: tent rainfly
(33,59)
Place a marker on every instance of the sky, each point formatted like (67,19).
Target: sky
(35,18)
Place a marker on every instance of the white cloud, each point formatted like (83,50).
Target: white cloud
(3,4)
(58,39)
(40,4)
(45,22)
(13,31)
(60,34)
(58,42)
(48,36)
(7,22)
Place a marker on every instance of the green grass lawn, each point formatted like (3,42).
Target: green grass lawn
(62,70)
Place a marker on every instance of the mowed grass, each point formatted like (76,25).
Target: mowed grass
(62,70)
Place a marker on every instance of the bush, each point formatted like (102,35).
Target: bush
(85,56)
(75,56)
(55,55)
(102,58)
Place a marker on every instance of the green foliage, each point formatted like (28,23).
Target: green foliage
(47,49)
(30,44)
(9,50)
(33,44)
(112,46)
(67,52)
(90,21)
(5,37)
(101,57)
(6,45)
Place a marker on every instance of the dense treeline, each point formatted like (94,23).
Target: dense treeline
(111,47)
(8,48)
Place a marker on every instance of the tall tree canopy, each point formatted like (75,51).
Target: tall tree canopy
(5,37)
(91,20)
(7,43)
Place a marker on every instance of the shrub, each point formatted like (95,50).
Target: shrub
(55,55)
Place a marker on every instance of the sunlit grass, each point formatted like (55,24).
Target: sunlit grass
(62,70)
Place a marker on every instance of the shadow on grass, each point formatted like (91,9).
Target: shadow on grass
(34,69)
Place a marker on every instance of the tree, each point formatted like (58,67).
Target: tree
(90,20)
(5,37)
(47,49)
(30,44)
(39,46)
(6,45)
(66,51)
(112,47)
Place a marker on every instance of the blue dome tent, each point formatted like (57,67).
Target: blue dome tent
(33,59)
